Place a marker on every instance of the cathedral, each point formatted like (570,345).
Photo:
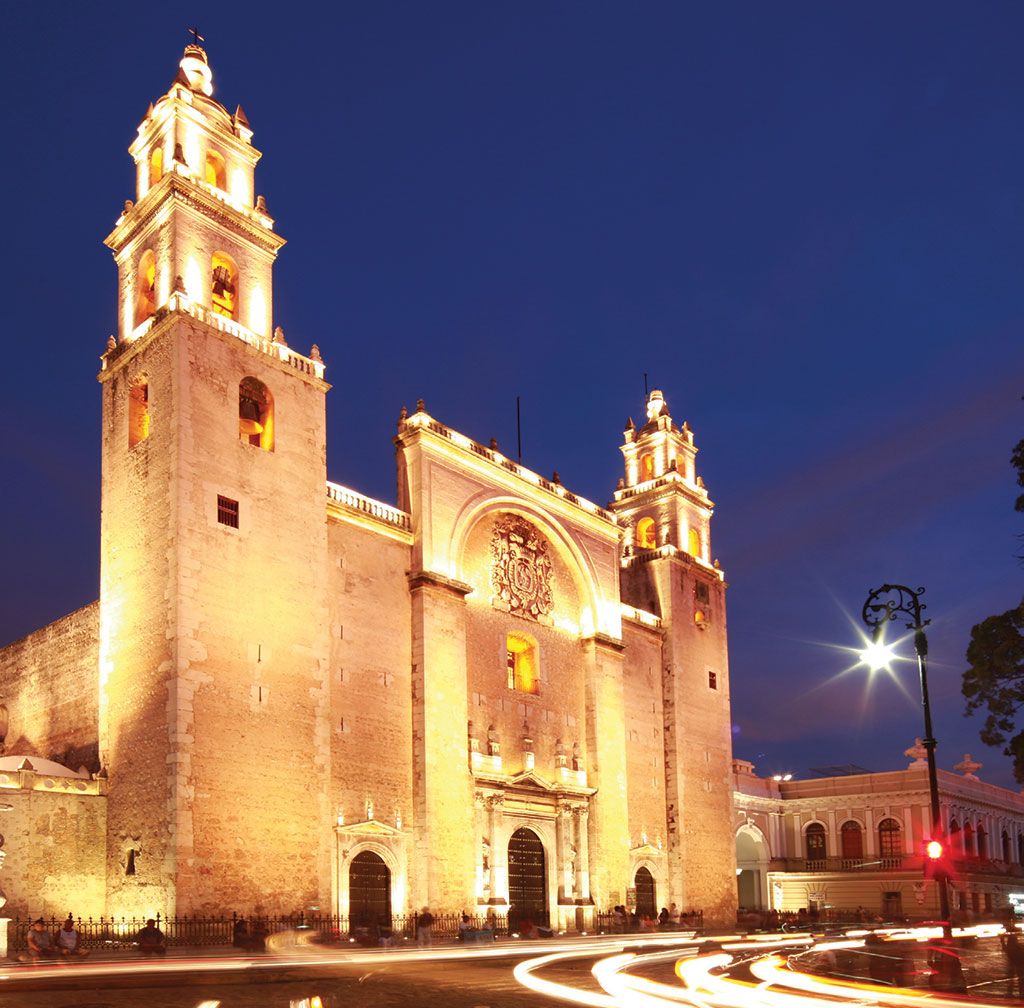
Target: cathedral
(491,695)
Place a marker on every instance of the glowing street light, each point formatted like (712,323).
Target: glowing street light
(882,605)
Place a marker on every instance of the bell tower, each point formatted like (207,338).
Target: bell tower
(667,570)
(213,707)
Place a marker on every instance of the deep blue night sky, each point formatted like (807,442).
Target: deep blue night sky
(803,220)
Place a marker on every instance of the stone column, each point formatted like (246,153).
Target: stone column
(563,835)
(499,854)
(583,852)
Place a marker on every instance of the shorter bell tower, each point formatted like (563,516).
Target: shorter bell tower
(667,570)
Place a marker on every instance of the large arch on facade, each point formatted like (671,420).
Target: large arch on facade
(572,554)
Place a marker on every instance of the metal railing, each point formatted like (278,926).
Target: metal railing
(611,923)
(121,933)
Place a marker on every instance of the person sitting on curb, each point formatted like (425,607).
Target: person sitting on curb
(40,943)
(151,939)
(69,941)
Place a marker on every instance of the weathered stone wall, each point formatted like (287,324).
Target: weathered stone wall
(55,841)
(645,742)
(49,687)
(371,689)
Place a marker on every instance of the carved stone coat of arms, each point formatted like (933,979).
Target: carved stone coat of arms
(521,568)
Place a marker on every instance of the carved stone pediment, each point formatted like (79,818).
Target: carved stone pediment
(521,568)
(371,827)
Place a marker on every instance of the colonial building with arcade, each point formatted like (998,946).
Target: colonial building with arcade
(491,694)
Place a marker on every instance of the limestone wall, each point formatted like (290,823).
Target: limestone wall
(49,687)
(55,842)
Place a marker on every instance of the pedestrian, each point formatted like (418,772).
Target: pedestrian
(151,940)
(68,943)
(40,943)
(663,919)
(424,922)
(1014,952)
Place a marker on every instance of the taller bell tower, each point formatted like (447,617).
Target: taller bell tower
(667,570)
(214,706)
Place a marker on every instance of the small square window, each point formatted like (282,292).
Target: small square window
(227,511)
(713,680)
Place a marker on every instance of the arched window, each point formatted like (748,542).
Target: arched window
(138,411)
(1006,847)
(646,467)
(851,840)
(646,535)
(145,287)
(969,848)
(521,664)
(890,842)
(224,281)
(815,837)
(215,171)
(256,413)
(1020,848)
(981,840)
(955,839)
(156,166)
(693,546)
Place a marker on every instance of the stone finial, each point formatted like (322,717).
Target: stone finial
(26,764)
(279,336)
(700,482)
(493,745)
(967,766)
(556,479)
(621,485)
(128,204)
(494,444)
(918,753)
(560,758)
(474,742)
(629,424)
(261,205)
(717,564)
(577,758)
(314,353)
(111,343)
(240,117)
(179,284)
(369,809)
(655,403)
(420,406)
(403,415)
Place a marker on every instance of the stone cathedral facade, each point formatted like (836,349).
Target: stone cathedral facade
(492,695)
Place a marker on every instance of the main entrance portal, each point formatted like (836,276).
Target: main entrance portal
(369,890)
(646,898)
(527,880)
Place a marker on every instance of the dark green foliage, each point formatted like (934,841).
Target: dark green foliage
(995,680)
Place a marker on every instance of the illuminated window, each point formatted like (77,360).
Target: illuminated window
(215,172)
(256,413)
(224,282)
(646,536)
(646,467)
(156,166)
(145,287)
(227,511)
(521,664)
(815,838)
(693,543)
(890,842)
(138,412)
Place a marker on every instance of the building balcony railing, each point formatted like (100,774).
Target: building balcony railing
(375,508)
(963,864)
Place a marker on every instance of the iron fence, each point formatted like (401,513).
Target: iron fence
(121,933)
(612,923)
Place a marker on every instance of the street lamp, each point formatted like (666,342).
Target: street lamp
(882,605)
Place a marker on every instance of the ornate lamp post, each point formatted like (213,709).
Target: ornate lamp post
(889,603)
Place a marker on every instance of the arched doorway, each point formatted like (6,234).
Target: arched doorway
(646,894)
(751,869)
(527,880)
(369,890)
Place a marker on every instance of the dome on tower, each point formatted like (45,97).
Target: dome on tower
(196,70)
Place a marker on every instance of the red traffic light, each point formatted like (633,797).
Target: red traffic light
(934,850)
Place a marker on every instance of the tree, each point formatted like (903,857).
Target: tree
(995,655)
(995,680)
